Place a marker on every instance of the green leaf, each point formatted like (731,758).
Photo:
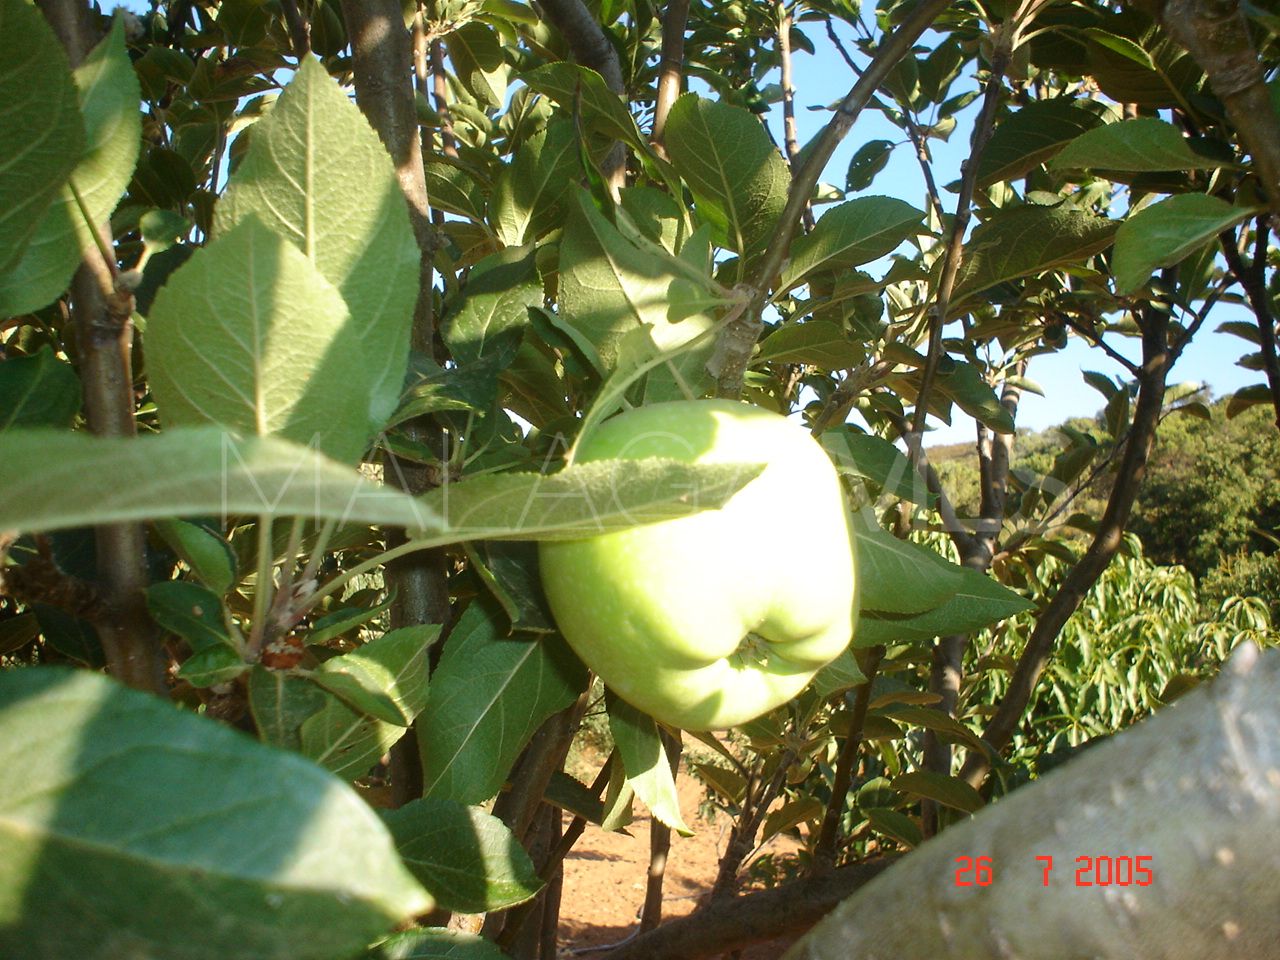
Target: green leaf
(609,287)
(55,480)
(933,719)
(530,195)
(247,334)
(366,683)
(1022,241)
(211,666)
(494,312)
(468,860)
(344,620)
(257,854)
(1031,136)
(949,791)
(894,824)
(38,391)
(646,764)
(898,576)
(43,136)
(191,611)
(436,943)
(1142,144)
(348,742)
(280,704)
(842,673)
(453,190)
(849,235)
(791,815)
(738,178)
(878,460)
(476,54)
(818,343)
(208,555)
(870,158)
(317,174)
(965,385)
(976,601)
(1164,233)
(601,108)
(488,696)
(1246,397)
(110,108)
(510,571)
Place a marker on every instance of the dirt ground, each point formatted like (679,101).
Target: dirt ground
(604,879)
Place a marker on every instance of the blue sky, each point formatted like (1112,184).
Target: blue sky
(824,78)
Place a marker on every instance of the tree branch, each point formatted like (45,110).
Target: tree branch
(659,847)
(1253,279)
(102,309)
(671,69)
(824,853)
(789,140)
(1085,573)
(737,922)
(592,48)
(299,28)
(739,337)
(1216,34)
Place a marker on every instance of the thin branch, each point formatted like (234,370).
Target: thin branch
(102,309)
(659,847)
(592,48)
(1106,542)
(736,922)
(440,93)
(1096,340)
(742,838)
(824,854)
(733,353)
(789,136)
(1216,34)
(1253,279)
(671,69)
(299,28)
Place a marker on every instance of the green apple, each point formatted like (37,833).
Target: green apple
(712,619)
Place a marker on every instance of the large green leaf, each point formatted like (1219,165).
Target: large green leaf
(1031,136)
(489,694)
(1145,143)
(738,178)
(468,860)
(42,136)
(949,791)
(114,801)
(476,54)
(849,235)
(1022,241)
(645,761)
(38,391)
(247,334)
(452,188)
(529,195)
(317,174)
(109,106)
(575,87)
(349,742)
(436,943)
(898,576)
(877,460)
(490,320)
(1164,233)
(55,480)
(610,288)
(964,384)
(976,601)
(818,343)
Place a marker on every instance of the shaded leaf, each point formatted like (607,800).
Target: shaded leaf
(1145,143)
(530,194)
(38,391)
(1164,233)
(1028,138)
(436,943)
(850,235)
(949,791)
(233,830)
(819,343)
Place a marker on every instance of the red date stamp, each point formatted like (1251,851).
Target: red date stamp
(1100,871)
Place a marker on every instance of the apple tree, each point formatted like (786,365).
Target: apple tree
(321,325)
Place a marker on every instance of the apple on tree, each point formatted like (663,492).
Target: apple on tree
(712,619)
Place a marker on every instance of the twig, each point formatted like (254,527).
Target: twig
(592,48)
(1216,34)
(740,336)
(299,28)
(671,69)
(1106,542)
(742,838)
(1253,279)
(789,97)
(1095,338)
(659,847)
(824,853)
